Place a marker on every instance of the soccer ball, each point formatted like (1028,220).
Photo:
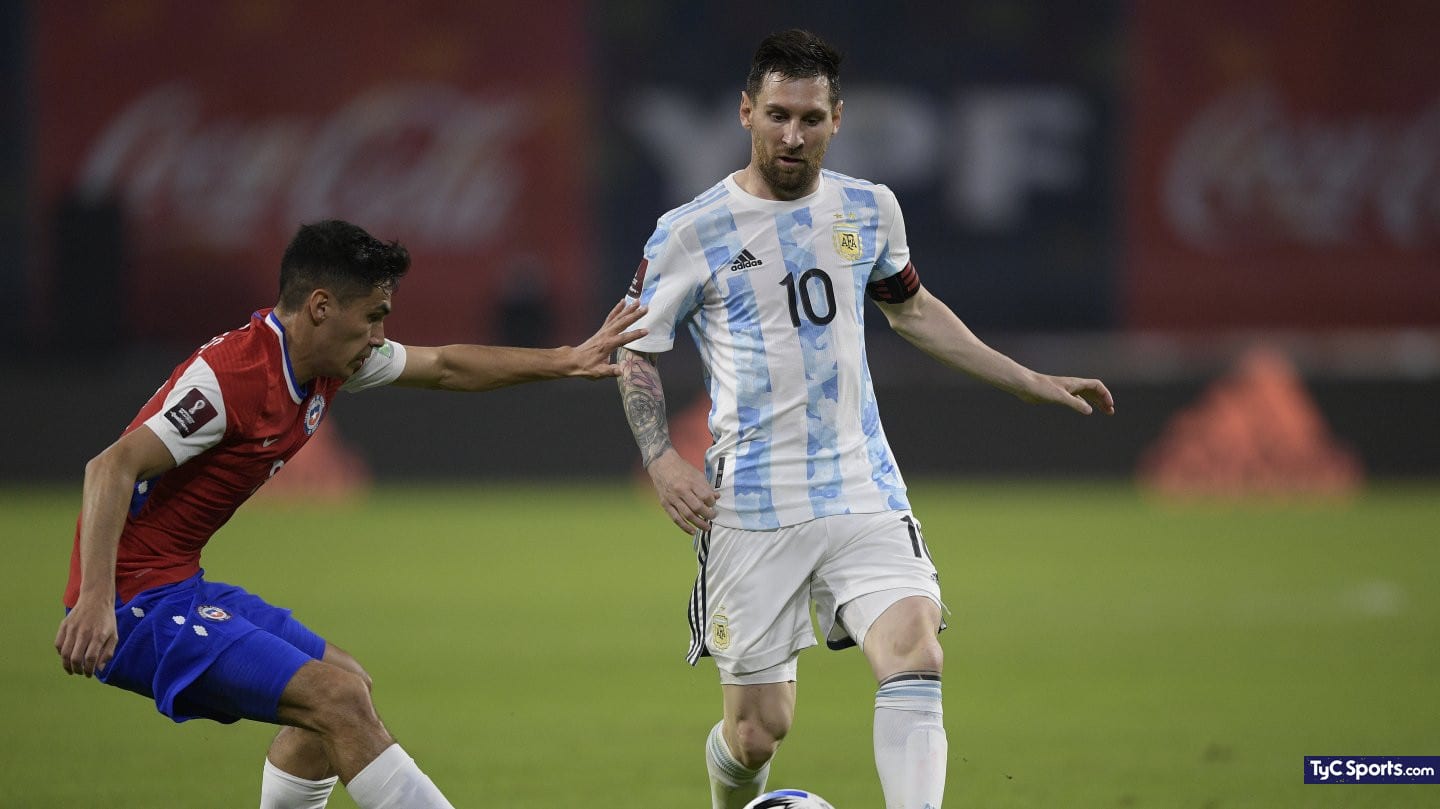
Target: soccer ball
(789,799)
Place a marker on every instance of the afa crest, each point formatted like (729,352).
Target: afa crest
(847,242)
(720,631)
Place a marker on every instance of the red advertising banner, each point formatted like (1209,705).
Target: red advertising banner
(219,127)
(1285,165)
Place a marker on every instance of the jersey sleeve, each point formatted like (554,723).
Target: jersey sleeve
(382,367)
(893,278)
(671,283)
(193,417)
(894,254)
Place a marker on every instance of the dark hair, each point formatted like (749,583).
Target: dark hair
(340,257)
(795,54)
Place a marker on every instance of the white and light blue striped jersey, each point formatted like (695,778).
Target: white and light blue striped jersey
(773,294)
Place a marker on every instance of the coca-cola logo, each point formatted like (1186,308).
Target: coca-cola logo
(421,159)
(1245,172)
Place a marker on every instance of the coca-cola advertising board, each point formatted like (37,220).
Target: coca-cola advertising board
(219,127)
(1285,165)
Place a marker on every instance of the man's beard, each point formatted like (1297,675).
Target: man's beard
(795,182)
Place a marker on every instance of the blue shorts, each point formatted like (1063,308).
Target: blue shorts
(207,650)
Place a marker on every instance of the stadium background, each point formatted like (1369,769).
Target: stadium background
(1229,211)
(1139,193)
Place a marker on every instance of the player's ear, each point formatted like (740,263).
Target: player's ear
(746,108)
(319,305)
(835,116)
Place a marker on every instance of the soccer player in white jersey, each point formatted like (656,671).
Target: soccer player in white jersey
(140,613)
(801,500)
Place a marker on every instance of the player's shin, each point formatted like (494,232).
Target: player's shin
(281,790)
(910,744)
(394,781)
(732,784)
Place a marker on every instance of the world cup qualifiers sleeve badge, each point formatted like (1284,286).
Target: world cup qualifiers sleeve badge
(212,613)
(191,413)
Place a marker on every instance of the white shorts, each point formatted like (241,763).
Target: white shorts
(750,609)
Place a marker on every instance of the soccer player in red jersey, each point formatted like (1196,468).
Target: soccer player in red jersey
(140,614)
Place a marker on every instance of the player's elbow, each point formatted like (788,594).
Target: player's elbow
(905,321)
(112,462)
(137,455)
(906,316)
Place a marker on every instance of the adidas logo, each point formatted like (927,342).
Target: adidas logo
(745,261)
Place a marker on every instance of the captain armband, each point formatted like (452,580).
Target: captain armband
(897,288)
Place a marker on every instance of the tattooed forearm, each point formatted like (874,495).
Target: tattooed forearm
(644,400)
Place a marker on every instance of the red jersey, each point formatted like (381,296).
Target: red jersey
(232,415)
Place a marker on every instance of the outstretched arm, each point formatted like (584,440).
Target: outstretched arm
(931,326)
(684,492)
(87,636)
(478,368)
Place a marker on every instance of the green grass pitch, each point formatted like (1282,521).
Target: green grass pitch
(1105,650)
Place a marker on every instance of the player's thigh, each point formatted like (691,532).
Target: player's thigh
(245,681)
(258,648)
(903,637)
(754,596)
(874,560)
(278,621)
(326,698)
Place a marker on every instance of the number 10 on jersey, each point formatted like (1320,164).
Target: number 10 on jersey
(800,294)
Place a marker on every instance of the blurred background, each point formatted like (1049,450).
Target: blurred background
(1144,192)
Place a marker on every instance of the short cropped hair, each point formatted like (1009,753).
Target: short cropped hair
(341,258)
(795,54)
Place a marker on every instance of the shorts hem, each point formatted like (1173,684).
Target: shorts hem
(769,659)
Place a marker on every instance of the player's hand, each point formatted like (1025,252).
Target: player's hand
(87,637)
(1084,396)
(592,358)
(684,492)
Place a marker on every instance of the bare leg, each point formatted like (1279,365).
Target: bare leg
(904,638)
(301,752)
(738,752)
(333,705)
(910,743)
(757,717)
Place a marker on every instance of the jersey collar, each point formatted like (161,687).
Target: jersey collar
(746,199)
(297,391)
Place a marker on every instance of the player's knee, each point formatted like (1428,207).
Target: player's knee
(922,654)
(336,656)
(908,643)
(364,677)
(926,655)
(343,704)
(758,740)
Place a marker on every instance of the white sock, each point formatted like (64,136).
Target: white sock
(732,785)
(910,746)
(393,781)
(281,790)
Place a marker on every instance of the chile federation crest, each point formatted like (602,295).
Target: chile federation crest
(314,411)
